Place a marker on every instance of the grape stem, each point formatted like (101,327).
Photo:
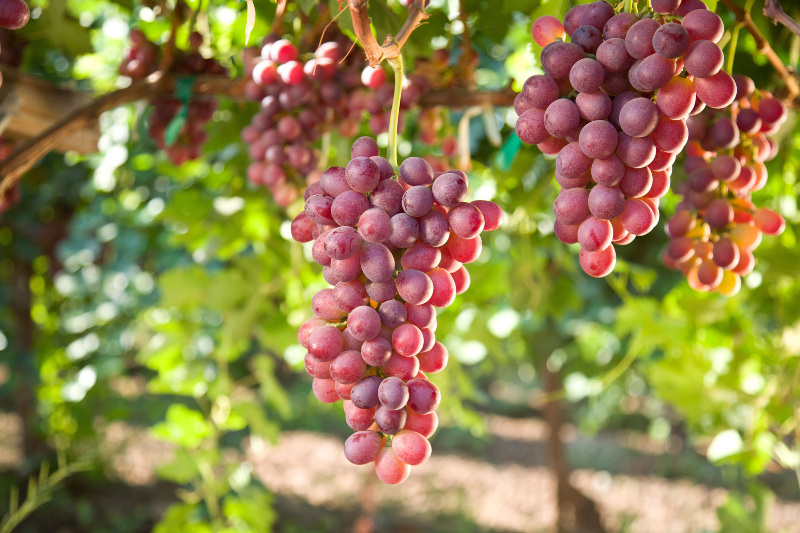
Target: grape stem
(362,27)
(732,47)
(391,149)
(763,46)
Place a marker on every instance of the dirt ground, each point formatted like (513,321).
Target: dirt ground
(495,494)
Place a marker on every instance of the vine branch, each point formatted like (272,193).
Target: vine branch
(27,155)
(774,11)
(763,46)
(391,48)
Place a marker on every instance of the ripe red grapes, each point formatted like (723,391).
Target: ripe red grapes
(612,106)
(140,61)
(301,101)
(393,246)
(716,227)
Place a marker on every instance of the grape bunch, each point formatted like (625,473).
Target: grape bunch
(140,61)
(14,14)
(716,227)
(393,250)
(300,101)
(612,106)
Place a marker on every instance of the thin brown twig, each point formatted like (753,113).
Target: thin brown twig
(391,48)
(763,46)
(774,11)
(277,23)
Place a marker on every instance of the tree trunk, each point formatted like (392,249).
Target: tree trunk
(576,512)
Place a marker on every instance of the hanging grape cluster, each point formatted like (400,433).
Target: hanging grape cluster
(302,100)
(393,249)
(716,226)
(141,60)
(612,105)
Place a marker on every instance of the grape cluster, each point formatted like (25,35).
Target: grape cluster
(716,226)
(393,250)
(14,14)
(141,60)
(612,105)
(302,100)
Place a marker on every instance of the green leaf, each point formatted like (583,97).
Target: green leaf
(182,469)
(183,518)
(183,426)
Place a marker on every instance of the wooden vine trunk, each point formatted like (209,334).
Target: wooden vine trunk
(29,105)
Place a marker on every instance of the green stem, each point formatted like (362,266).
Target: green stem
(732,47)
(391,149)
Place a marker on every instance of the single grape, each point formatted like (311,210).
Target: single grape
(702,24)
(572,162)
(597,14)
(466,220)
(717,91)
(390,469)
(560,119)
(637,218)
(363,447)
(434,228)
(401,366)
(670,40)
(703,59)
(639,39)
(377,262)
(588,38)
(593,106)
(594,234)
(606,203)
(324,390)
(416,171)
(639,117)
(598,264)
(539,91)
(608,171)
(613,55)
(586,76)
(636,152)
(598,139)
(654,72)
(572,20)
(547,29)
(558,57)
(464,250)
(617,26)
(572,206)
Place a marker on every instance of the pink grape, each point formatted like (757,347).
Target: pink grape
(593,106)
(324,390)
(636,182)
(393,393)
(362,174)
(411,447)
(703,24)
(594,234)
(670,40)
(703,59)
(317,369)
(585,76)
(414,286)
(364,323)
(365,146)
(547,29)
(466,220)
(676,99)
(613,55)
(636,152)
(598,264)
(608,171)
(401,366)
(392,313)
(423,396)
(464,250)
(717,91)
(376,352)
(377,263)
(617,26)
(540,91)
(558,57)
(435,359)
(588,38)
(364,393)
(405,230)
(572,20)
(670,135)
(606,203)
(390,421)
(572,206)
(425,425)
(597,14)
(639,39)
(348,367)
(566,234)
(418,201)
(561,118)
(637,218)
(449,189)
(572,162)
(444,288)
(434,228)
(390,469)
(388,196)
(598,139)
(416,171)
(639,117)
(654,72)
